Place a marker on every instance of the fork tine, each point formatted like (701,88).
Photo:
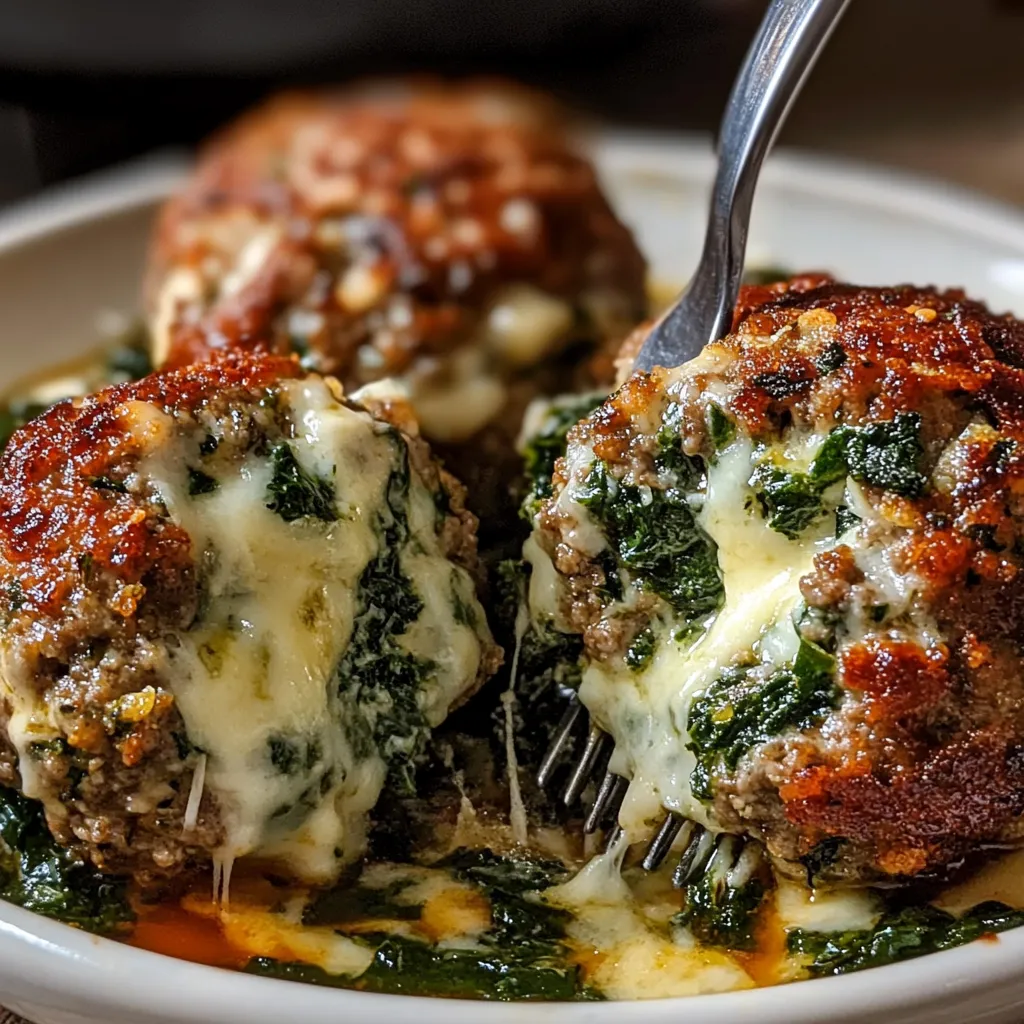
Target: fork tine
(607,802)
(597,742)
(662,842)
(563,734)
(695,857)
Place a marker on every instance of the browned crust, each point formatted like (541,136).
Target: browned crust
(922,761)
(96,580)
(426,172)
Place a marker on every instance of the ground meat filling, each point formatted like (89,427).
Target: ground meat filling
(886,428)
(99,586)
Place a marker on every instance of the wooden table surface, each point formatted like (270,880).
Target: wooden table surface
(909,83)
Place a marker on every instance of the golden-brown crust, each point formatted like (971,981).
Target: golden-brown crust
(921,761)
(98,582)
(441,194)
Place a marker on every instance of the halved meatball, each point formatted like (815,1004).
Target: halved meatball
(235,604)
(449,237)
(795,563)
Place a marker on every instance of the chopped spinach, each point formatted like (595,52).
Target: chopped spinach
(40,875)
(830,359)
(899,935)
(413,968)
(381,677)
(657,539)
(721,428)
(521,955)
(289,755)
(641,651)
(200,483)
(741,709)
(719,914)
(293,493)
(821,857)
(846,519)
(547,445)
(790,502)
(349,903)
(886,454)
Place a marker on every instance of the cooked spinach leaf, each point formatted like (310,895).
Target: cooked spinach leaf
(522,955)
(741,709)
(404,966)
(719,914)
(516,921)
(886,455)
(381,678)
(200,483)
(40,875)
(547,445)
(641,650)
(790,502)
(351,902)
(293,493)
(899,935)
(656,537)
(721,428)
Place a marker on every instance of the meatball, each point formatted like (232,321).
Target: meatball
(235,604)
(446,236)
(795,565)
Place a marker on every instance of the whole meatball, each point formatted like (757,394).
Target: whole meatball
(795,563)
(234,606)
(446,236)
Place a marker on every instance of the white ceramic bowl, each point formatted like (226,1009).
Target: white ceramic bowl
(73,254)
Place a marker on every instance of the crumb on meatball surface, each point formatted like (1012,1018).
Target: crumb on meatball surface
(795,566)
(234,605)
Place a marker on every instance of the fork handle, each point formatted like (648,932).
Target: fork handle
(788,42)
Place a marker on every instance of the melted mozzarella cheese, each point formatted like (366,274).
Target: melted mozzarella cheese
(255,677)
(647,712)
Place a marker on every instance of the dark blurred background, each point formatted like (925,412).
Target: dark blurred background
(933,85)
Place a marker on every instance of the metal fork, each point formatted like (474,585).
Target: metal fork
(788,42)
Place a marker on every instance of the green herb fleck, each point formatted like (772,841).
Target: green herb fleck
(200,483)
(830,359)
(640,652)
(721,427)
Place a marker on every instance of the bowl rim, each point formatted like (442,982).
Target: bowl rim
(98,972)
